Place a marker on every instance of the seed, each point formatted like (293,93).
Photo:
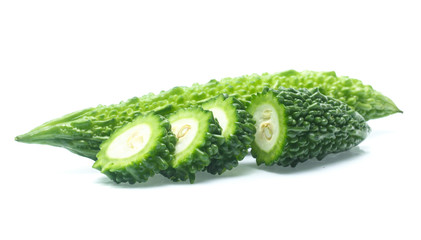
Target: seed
(183,131)
(267,130)
(134,140)
(267,114)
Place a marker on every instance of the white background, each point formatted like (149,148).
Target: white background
(60,56)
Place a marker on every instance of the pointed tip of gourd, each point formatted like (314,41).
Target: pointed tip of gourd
(395,111)
(26,138)
(22,138)
(32,137)
(395,108)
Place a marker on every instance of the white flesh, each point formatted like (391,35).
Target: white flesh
(185,130)
(221,116)
(267,126)
(130,142)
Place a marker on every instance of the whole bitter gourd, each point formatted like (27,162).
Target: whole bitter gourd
(199,139)
(82,132)
(237,128)
(296,125)
(138,150)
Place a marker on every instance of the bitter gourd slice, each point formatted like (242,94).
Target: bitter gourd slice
(296,125)
(138,150)
(237,128)
(198,143)
(83,131)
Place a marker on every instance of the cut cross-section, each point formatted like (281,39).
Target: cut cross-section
(237,129)
(138,150)
(198,143)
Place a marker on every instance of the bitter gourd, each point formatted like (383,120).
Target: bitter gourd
(198,143)
(237,128)
(138,150)
(82,132)
(296,125)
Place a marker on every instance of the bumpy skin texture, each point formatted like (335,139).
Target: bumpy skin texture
(206,151)
(139,169)
(82,132)
(238,137)
(316,126)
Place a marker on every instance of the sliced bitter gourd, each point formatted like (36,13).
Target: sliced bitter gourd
(198,143)
(82,132)
(237,128)
(296,125)
(137,150)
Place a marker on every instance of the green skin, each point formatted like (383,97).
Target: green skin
(201,152)
(311,125)
(155,156)
(239,133)
(82,132)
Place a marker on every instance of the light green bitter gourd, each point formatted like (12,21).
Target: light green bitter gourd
(82,132)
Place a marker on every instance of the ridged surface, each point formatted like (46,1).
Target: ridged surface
(82,132)
(140,168)
(206,151)
(237,143)
(316,126)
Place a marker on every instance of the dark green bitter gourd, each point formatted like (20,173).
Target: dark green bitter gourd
(138,150)
(199,139)
(237,128)
(296,125)
(82,132)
